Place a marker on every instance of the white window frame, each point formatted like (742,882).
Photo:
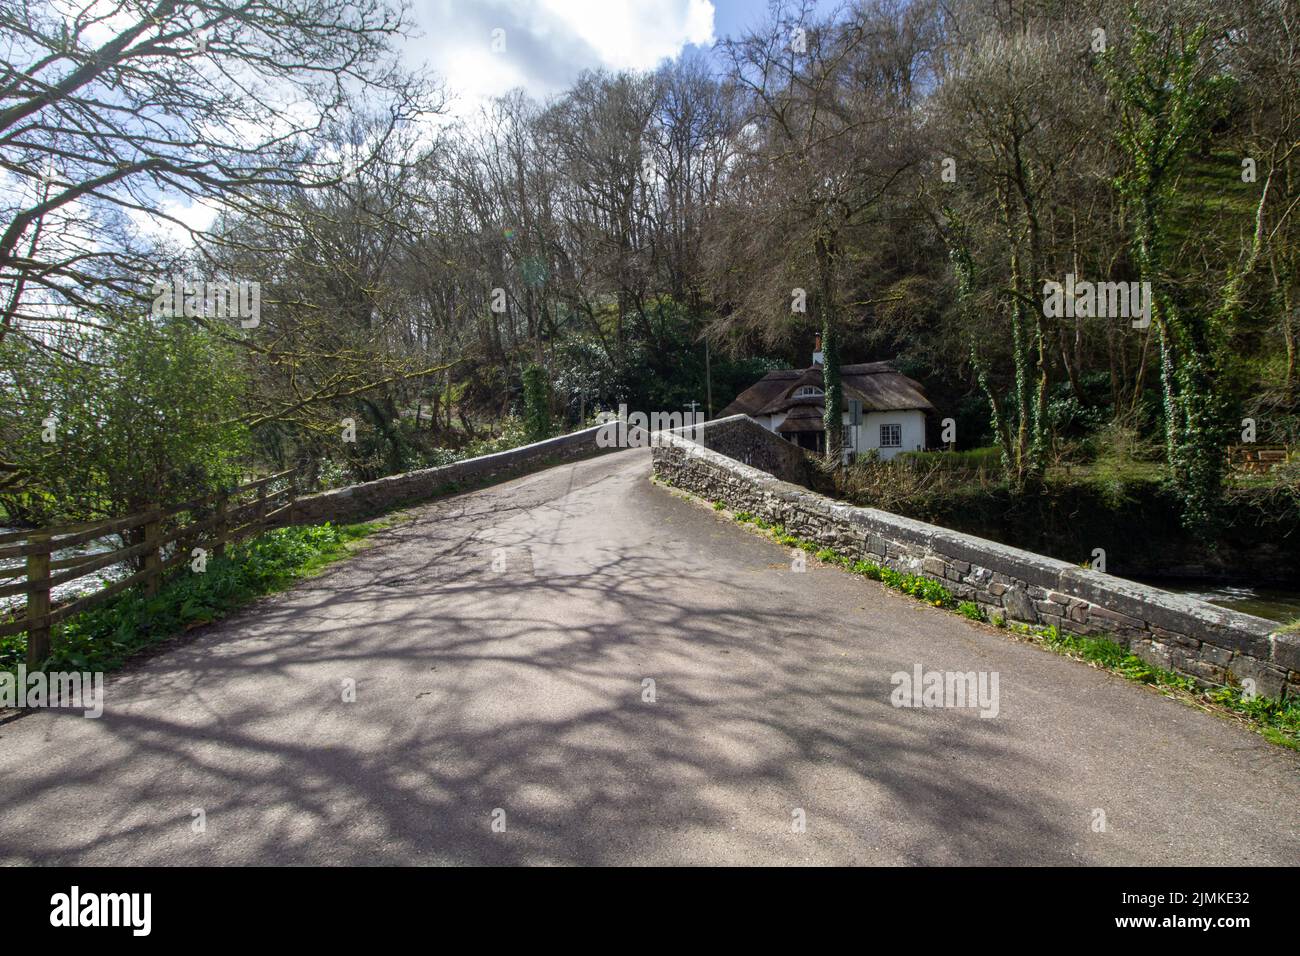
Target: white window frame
(808,391)
(896,432)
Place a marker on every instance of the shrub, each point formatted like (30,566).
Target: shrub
(973,461)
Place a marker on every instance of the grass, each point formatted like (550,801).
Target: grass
(1278,721)
(987,459)
(104,638)
(917,585)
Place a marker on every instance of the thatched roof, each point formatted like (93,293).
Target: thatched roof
(803,418)
(875,384)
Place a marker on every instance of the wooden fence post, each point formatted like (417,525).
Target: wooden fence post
(293,499)
(152,554)
(38,599)
(220,528)
(261,508)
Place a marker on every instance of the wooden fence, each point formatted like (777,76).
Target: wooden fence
(1257,459)
(214,521)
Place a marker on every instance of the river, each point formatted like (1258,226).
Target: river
(1276,604)
(83,585)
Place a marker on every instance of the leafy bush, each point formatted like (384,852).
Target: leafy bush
(148,412)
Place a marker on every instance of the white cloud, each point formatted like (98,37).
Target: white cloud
(547,43)
(196,215)
(635,35)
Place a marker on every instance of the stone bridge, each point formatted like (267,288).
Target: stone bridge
(613,673)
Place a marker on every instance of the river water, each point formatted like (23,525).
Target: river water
(83,585)
(1276,604)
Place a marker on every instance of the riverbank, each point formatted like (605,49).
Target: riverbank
(1275,603)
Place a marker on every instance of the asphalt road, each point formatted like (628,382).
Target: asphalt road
(517,696)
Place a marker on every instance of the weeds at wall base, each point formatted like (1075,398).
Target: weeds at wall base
(1277,720)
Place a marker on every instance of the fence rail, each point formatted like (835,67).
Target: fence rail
(1258,459)
(155,541)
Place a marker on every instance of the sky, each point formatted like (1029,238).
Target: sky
(543,46)
(482,48)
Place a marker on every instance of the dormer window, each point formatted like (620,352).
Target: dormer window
(808,391)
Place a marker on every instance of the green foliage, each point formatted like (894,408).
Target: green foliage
(660,367)
(1277,719)
(987,460)
(867,569)
(832,411)
(537,403)
(149,414)
(104,637)
(919,586)
(1166,99)
(513,433)
(970,610)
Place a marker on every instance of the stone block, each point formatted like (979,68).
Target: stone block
(1215,655)
(1019,606)
(1154,653)
(1269,681)
(933,566)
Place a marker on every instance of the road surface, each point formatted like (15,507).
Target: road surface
(500,644)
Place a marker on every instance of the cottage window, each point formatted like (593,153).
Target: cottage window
(891,436)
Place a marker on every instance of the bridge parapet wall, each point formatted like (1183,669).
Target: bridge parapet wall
(742,439)
(358,502)
(1214,645)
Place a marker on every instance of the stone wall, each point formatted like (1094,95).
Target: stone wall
(1214,645)
(741,438)
(358,502)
